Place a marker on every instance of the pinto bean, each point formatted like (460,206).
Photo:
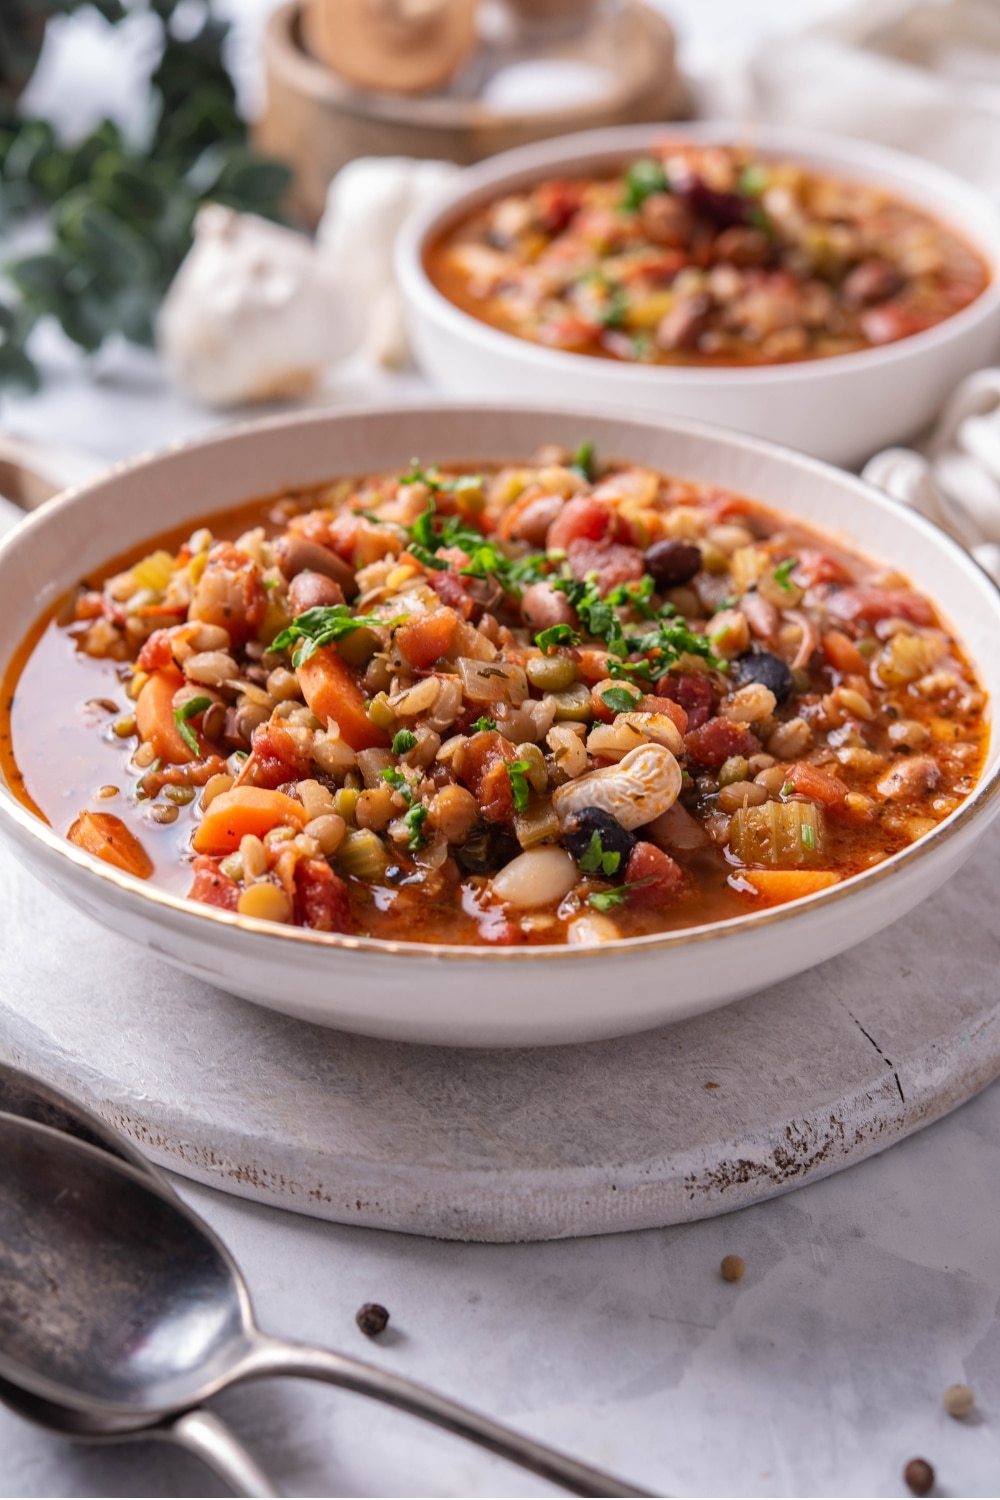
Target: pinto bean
(873,280)
(543,606)
(667,220)
(685,323)
(741,246)
(295,555)
(313,591)
(533,523)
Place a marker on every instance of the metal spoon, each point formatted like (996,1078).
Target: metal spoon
(200,1432)
(120,1303)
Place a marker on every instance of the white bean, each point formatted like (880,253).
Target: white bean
(539,877)
(592,927)
(638,789)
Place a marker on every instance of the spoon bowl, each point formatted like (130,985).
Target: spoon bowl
(120,1304)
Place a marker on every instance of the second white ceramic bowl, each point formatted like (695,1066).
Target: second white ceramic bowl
(485,996)
(842,409)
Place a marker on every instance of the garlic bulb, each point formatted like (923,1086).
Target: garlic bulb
(254,313)
(365,208)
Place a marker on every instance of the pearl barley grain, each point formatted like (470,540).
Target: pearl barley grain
(732,1267)
(958,1400)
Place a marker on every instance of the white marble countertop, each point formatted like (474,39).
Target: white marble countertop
(820,1373)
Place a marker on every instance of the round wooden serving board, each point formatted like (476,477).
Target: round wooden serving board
(699,1118)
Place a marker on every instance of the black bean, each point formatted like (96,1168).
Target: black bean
(486,850)
(673,563)
(766,668)
(579,832)
(372,1319)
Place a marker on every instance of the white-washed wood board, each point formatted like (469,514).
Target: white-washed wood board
(682,1123)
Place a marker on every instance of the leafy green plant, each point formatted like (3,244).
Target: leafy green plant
(121,215)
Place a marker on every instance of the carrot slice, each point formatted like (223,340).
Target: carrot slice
(107,838)
(154,717)
(246,809)
(842,654)
(778,886)
(332,692)
(426,637)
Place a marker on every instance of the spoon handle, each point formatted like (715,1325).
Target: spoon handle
(202,1433)
(279,1357)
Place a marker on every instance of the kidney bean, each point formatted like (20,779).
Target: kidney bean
(685,323)
(543,606)
(294,555)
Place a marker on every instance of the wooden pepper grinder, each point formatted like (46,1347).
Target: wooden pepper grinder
(403,46)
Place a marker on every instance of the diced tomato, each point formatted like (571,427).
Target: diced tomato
(652,704)
(815,567)
(157,652)
(814,782)
(212,886)
(613,563)
(582,518)
(555,203)
(453,591)
(275,757)
(661,876)
(872,605)
(321,898)
(692,691)
(424,638)
(484,772)
(717,740)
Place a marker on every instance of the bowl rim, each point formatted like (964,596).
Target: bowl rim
(978,802)
(525,163)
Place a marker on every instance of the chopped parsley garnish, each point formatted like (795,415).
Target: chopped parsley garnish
(596,860)
(556,635)
(642,179)
(431,533)
(483,725)
(782,573)
(621,700)
(323,625)
(404,740)
(519,784)
(615,309)
(583,460)
(399,783)
(414,822)
(808,836)
(461,484)
(183,716)
(787,789)
(753,180)
(618,894)
(660,646)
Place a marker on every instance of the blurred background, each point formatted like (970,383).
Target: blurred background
(121,118)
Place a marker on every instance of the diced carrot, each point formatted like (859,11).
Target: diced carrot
(775,887)
(593,664)
(154,717)
(424,638)
(842,654)
(813,781)
(107,838)
(332,692)
(246,809)
(484,772)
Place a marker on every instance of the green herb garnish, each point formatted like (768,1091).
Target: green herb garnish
(323,625)
(752,180)
(782,572)
(620,700)
(183,716)
(556,635)
(596,860)
(414,822)
(403,740)
(583,460)
(787,789)
(483,725)
(399,783)
(519,784)
(618,895)
(642,179)
(808,836)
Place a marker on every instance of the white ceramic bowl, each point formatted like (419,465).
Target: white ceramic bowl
(494,996)
(842,409)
